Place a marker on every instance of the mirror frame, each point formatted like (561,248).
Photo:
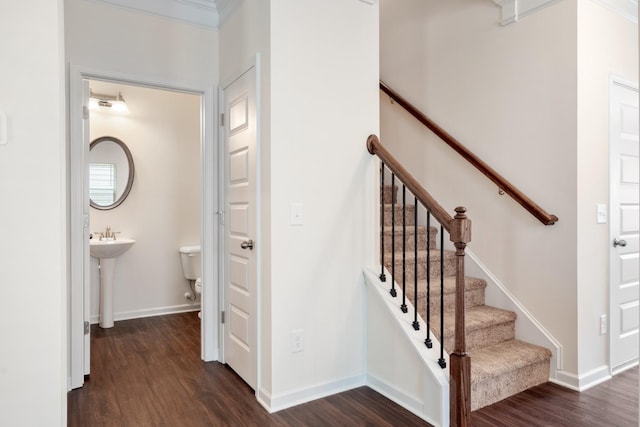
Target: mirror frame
(127,188)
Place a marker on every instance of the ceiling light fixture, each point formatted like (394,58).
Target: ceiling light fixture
(115,103)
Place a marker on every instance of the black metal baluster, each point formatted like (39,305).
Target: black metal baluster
(441,361)
(393,238)
(427,341)
(416,324)
(383,278)
(403,307)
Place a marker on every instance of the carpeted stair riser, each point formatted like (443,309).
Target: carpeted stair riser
(449,265)
(391,236)
(388,193)
(504,369)
(482,330)
(409,215)
(492,390)
(474,293)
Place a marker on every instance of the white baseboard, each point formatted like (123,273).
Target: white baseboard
(397,396)
(307,394)
(149,312)
(584,381)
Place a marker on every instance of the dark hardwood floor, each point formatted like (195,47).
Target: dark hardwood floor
(613,403)
(148,372)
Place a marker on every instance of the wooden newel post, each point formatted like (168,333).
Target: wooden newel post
(459,361)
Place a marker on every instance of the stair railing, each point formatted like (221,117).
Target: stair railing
(459,229)
(504,186)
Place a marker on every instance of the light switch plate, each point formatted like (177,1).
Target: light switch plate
(3,128)
(296,213)
(601,215)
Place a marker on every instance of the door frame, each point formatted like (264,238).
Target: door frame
(209,229)
(254,62)
(614,80)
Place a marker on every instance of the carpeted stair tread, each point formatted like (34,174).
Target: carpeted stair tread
(422,255)
(478,317)
(502,358)
(470,284)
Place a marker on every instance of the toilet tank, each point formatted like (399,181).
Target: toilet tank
(190,256)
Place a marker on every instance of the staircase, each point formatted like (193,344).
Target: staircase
(501,365)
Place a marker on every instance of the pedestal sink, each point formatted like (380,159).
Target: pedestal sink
(107,251)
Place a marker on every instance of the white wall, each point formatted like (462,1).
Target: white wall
(106,37)
(324,104)
(607,44)
(162,211)
(32,189)
(509,94)
(318,105)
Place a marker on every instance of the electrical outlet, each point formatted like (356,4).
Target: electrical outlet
(297,340)
(603,324)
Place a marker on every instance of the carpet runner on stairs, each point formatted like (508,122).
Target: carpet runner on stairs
(501,365)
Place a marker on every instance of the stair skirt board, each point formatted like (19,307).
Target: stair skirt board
(399,365)
(527,327)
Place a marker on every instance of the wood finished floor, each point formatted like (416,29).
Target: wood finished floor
(148,372)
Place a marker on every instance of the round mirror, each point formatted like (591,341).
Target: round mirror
(110,172)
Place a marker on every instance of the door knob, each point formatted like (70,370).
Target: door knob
(248,244)
(620,242)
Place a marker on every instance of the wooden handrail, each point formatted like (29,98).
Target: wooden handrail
(440,214)
(504,185)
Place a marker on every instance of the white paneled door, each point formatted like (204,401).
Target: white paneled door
(241,246)
(625,225)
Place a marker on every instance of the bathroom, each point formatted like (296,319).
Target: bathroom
(162,212)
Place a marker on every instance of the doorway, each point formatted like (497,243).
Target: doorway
(625,224)
(81,227)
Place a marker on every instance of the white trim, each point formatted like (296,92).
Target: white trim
(513,10)
(625,366)
(628,9)
(226,9)
(202,13)
(210,300)
(397,396)
(307,394)
(209,229)
(527,326)
(582,382)
(150,312)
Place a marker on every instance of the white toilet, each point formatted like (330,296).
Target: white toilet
(191,268)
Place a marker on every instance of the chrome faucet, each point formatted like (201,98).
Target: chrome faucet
(107,234)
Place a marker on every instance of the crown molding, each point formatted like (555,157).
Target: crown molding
(226,8)
(202,13)
(628,9)
(513,10)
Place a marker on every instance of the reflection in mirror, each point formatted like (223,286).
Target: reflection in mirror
(111,172)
